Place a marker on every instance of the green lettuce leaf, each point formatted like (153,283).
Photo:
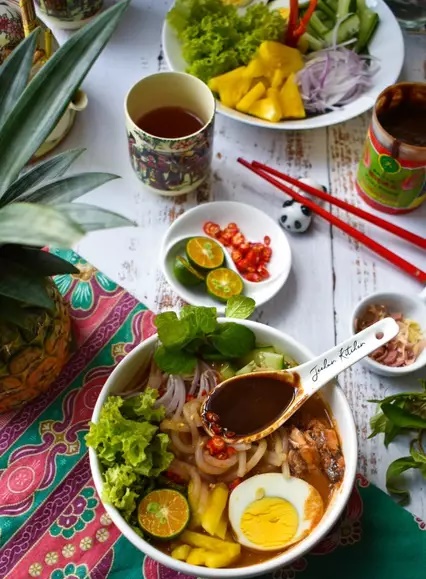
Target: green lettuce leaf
(130,448)
(216,39)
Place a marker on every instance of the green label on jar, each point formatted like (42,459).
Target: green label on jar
(387,181)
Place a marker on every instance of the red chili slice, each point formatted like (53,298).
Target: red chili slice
(211,229)
(253,277)
(238,239)
(266,254)
(234,484)
(267,240)
(233,227)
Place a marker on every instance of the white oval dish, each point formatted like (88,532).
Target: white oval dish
(387,46)
(332,394)
(412,307)
(254,225)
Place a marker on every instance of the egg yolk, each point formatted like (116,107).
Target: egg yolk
(270,522)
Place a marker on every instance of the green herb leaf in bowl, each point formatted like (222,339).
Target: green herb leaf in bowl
(240,307)
(196,333)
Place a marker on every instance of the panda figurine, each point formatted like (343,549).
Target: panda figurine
(296,217)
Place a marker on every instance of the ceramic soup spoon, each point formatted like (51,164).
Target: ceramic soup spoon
(251,406)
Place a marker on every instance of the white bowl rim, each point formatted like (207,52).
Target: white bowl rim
(376,366)
(338,504)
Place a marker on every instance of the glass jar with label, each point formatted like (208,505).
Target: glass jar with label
(391,174)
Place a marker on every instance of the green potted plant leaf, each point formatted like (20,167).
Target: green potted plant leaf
(36,208)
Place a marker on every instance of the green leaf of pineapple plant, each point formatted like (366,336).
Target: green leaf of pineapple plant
(14,74)
(48,94)
(22,284)
(41,262)
(90,217)
(45,170)
(38,225)
(66,189)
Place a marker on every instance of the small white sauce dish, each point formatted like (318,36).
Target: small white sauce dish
(253,224)
(412,307)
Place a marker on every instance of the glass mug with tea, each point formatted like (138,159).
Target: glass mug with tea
(170,124)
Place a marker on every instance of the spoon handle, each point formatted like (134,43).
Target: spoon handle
(318,372)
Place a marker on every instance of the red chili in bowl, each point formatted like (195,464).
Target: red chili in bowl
(250,258)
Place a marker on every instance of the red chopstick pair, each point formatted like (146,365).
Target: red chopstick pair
(266,173)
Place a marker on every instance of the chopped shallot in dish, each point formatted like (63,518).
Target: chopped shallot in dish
(402,350)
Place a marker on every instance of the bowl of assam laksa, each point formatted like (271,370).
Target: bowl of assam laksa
(190,500)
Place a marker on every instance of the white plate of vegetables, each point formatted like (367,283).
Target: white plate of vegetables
(321,63)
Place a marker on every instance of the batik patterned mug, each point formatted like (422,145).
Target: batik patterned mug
(170,166)
(69,14)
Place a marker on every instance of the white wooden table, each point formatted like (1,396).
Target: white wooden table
(330,273)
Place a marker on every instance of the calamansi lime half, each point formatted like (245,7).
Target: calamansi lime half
(223,283)
(163,513)
(205,253)
(185,273)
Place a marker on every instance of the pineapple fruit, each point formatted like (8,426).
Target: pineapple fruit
(36,209)
(32,357)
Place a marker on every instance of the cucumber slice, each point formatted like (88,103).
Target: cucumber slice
(251,356)
(317,26)
(369,21)
(270,360)
(325,8)
(345,7)
(263,360)
(247,369)
(332,4)
(348,29)
(312,42)
(226,371)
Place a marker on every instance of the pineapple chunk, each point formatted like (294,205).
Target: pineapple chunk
(277,55)
(210,543)
(195,514)
(215,507)
(232,93)
(278,78)
(217,82)
(291,100)
(255,68)
(217,560)
(251,97)
(274,95)
(266,109)
(200,556)
(231,86)
(197,557)
(181,552)
(222,528)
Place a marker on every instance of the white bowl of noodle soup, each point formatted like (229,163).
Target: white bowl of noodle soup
(337,405)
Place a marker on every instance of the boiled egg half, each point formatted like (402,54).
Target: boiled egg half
(269,511)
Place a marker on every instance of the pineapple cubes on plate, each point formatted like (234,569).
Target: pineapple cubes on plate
(267,86)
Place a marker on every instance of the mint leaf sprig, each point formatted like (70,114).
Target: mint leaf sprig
(196,333)
(400,414)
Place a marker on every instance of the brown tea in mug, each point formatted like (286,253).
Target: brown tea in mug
(170,123)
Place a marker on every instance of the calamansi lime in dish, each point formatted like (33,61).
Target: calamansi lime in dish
(185,273)
(204,253)
(163,513)
(223,283)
